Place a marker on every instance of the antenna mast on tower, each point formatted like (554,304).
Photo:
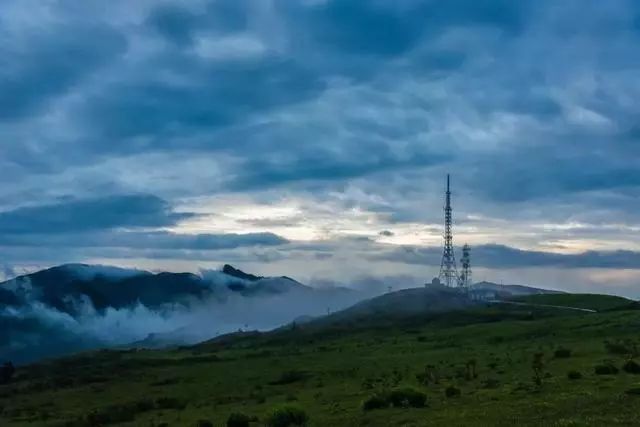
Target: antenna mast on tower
(465,275)
(448,272)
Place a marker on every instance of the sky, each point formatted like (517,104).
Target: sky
(312,138)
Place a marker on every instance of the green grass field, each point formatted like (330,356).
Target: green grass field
(329,373)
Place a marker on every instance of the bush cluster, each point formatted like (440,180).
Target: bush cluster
(287,416)
(407,397)
(398,398)
(238,420)
(605,369)
(377,401)
(452,391)
(626,347)
(574,375)
(631,367)
(289,377)
(490,383)
(119,413)
(562,353)
(170,403)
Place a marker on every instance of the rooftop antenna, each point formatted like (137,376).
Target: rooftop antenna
(448,271)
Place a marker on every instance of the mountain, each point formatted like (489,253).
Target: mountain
(75,307)
(66,287)
(248,284)
(229,270)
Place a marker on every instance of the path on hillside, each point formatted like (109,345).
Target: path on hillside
(586,310)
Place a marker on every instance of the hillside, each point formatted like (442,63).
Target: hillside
(595,302)
(391,307)
(494,290)
(330,373)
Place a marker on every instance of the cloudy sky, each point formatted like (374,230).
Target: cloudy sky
(312,137)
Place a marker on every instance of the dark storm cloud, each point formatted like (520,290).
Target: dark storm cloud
(392,28)
(160,240)
(173,22)
(49,63)
(500,256)
(321,166)
(575,167)
(363,27)
(209,95)
(179,24)
(218,95)
(530,104)
(91,214)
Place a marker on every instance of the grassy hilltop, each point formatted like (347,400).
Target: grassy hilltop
(495,365)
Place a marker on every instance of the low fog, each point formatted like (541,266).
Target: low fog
(32,329)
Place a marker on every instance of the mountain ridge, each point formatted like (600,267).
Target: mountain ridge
(75,307)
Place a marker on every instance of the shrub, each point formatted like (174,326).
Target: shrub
(165,381)
(377,401)
(452,391)
(470,370)
(238,420)
(574,375)
(490,383)
(633,391)
(407,397)
(631,367)
(606,369)
(287,416)
(538,368)
(562,353)
(170,403)
(429,376)
(144,405)
(621,347)
(118,413)
(289,377)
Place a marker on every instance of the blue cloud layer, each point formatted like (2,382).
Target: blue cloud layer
(105,213)
(530,104)
(501,256)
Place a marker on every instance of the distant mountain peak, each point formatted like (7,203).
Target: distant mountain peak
(88,271)
(230,270)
